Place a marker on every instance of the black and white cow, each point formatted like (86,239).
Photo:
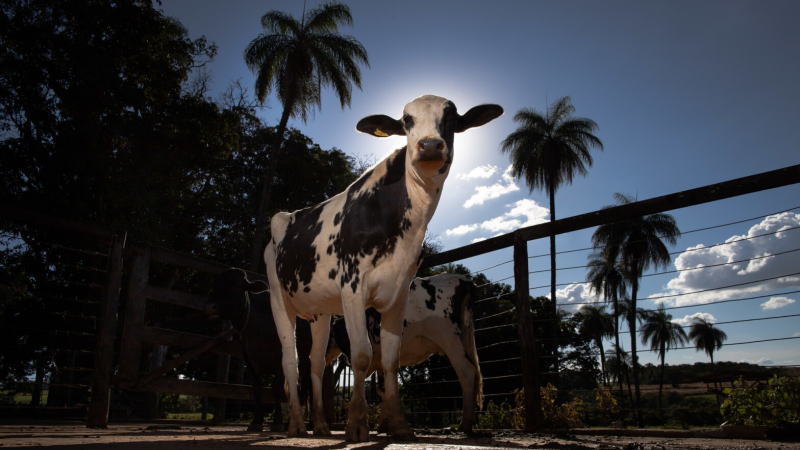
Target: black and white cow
(438,321)
(360,249)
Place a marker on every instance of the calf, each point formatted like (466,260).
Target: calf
(360,249)
(246,305)
(438,320)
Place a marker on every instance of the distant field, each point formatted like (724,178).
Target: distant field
(23,398)
(686,388)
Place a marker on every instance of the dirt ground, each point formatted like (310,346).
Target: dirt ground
(198,437)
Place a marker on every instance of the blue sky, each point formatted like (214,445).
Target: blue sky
(685,94)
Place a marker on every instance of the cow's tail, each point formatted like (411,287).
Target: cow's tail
(467,327)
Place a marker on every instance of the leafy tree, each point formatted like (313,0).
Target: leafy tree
(596,324)
(101,122)
(606,277)
(637,244)
(663,334)
(296,59)
(548,150)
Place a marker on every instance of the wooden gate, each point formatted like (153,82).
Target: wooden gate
(138,334)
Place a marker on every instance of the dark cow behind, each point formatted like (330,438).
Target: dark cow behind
(246,305)
(361,249)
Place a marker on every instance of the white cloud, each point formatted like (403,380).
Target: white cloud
(796,334)
(576,293)
(776,302)
(484,172)
(689,318)
(521,213)
(484,193)
(461,230)
(749,271)
(477,240)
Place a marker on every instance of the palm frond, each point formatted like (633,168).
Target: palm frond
(280,22)
(327,17)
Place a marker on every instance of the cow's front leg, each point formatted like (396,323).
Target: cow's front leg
(285,324)
(320,332)
(360,357)
(392,414)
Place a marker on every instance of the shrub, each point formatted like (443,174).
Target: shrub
(777,402)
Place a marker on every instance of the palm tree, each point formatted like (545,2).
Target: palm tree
(596,324)
(663,334)
(296,60)
(637,245)
(549,150)
(706,337)
(606,277)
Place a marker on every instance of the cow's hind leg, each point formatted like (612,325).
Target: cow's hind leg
(360,357)
(285,323)
(392,414)
(466,371)
(320,332)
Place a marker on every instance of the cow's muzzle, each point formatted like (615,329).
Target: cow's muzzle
(431,149)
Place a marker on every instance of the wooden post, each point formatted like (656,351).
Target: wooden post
(527,337)
(131,350)
(106,335)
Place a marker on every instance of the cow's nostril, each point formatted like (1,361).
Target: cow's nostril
(440,145)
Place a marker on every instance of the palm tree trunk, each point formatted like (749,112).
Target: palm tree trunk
(602,360)
(616,341)
(260,231)
(554,307)
(634,356)
(661,377)
(716,384)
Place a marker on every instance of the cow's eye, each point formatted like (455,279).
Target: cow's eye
(408,121)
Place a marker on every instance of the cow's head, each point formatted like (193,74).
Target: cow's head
(429,122)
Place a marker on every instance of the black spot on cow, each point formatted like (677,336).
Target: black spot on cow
(405,323)
(332,274)
(306,289)
(430,302)
(329,249)
(297,255)
(374,220)
(462,298)
(336,219)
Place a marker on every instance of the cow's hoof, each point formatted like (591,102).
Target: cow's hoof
(297,431)
(356,432)
(322,430)
(403,434)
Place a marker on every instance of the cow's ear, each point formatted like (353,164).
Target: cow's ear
(381,126)
(478,116)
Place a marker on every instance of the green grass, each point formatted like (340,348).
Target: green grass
(22,398)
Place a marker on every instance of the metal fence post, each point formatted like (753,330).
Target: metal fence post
(527,337)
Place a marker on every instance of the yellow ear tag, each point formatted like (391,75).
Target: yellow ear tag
(380,133)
